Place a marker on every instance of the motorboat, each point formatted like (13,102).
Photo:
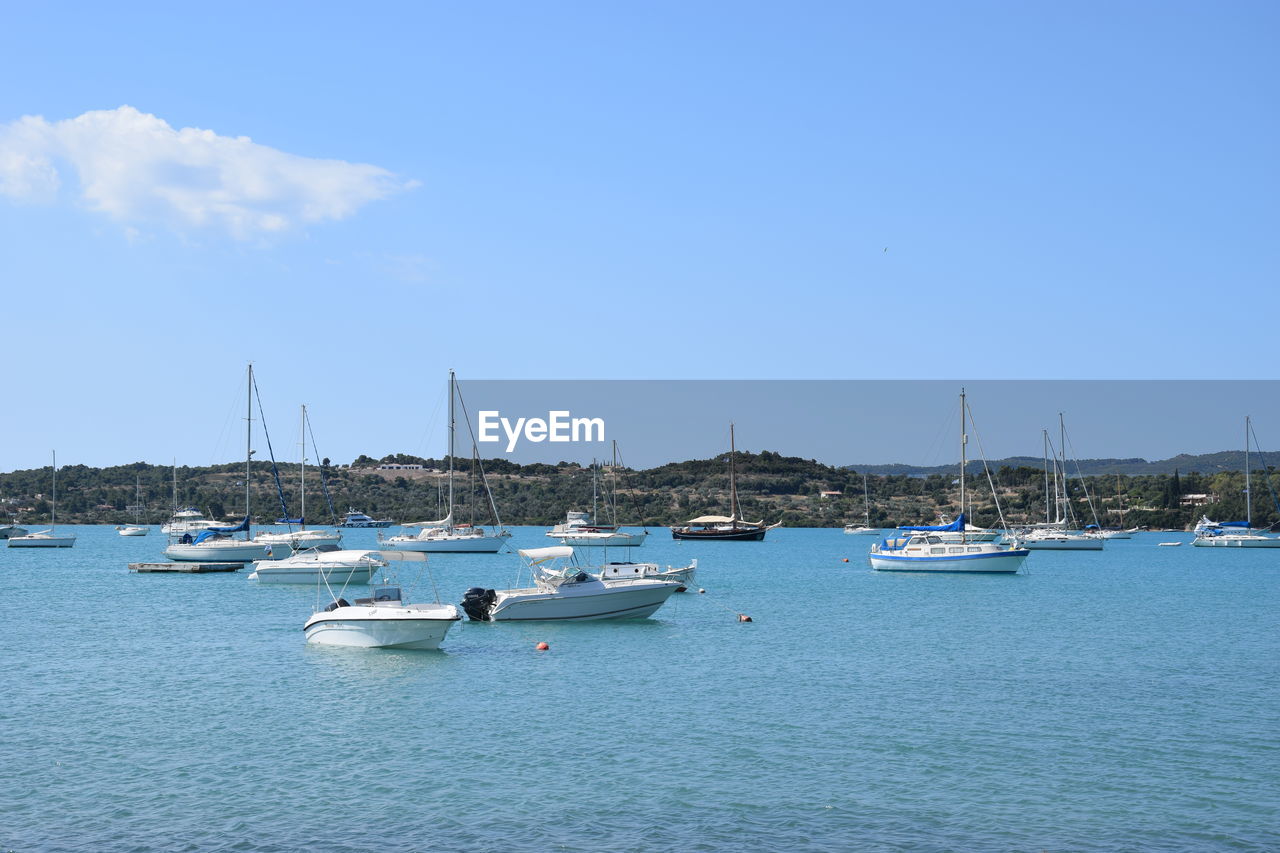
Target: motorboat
(384,620)
(46,538)
(335,566)
(923,548)
(724,528)
(133,530)
(187,520)
(360,520)
(562,590)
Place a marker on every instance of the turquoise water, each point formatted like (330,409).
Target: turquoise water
(1127,699)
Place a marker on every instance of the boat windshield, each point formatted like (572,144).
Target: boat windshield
(387,593)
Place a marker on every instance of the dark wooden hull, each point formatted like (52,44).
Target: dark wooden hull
(743,534)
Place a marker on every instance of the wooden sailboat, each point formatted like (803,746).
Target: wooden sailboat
(721,528)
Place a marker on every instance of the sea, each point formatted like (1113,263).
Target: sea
(1120,700)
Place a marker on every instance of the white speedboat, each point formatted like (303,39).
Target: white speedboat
(133,530)
(564,591)
(46,538)
(578,529)
(923,549)
(382,621)
(360,520)
(327,563)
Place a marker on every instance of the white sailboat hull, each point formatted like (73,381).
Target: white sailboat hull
(134,531)
(382,627)
(635,601)
(1229,541)
(226,551)
(445,544)
(862,531)
(300,540)
(601,540)
(42,540)
(1063,543)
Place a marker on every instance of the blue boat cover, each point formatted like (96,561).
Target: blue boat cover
(288,521)
(213,531)
(954,526)
(1233,524)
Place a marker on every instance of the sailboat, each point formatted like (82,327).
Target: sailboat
(47,538)
(444,536)
(302,537)
(1235,534)
(579,529)
(136,529)
(922,550)
(186,519)
(865,529)
(721,528)
(1054,534)
(1120,532)
(215,544)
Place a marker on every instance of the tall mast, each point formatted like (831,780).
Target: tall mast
(1062,448)
(866,500)
(302,516)
(1248,492)
(451,428)
(964,463)
(733,478)
(248,447)
(595,489)
(175,485)
(53,517)
(1047,520)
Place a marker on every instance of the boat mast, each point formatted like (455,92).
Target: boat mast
(964,462)
(302,515)
(248,449)
(866,500)
(175,485)
(1062,447)
(1248,492)
(449,517)
(53,517)
(595,489)
(733,479)
(1046,476)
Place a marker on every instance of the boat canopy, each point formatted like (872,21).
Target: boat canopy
(542,555)
(712,519)
(954,526)
(1233,524)
(447,521)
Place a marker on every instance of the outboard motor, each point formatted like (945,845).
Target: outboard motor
(334,605)
(476,603)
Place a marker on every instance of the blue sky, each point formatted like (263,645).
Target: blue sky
(574,190)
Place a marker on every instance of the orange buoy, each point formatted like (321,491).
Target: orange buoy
(742,617)
(542,647)
(846,559)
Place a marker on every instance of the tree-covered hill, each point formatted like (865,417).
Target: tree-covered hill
(771,487)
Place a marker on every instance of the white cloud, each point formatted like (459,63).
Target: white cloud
(136,169)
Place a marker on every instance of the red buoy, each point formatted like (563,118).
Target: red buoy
(542,647)
(846,559)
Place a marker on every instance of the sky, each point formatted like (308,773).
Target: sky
(358,200)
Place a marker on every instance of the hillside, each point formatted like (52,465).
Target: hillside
(771,487)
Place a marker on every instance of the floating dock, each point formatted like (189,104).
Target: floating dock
(189,568)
